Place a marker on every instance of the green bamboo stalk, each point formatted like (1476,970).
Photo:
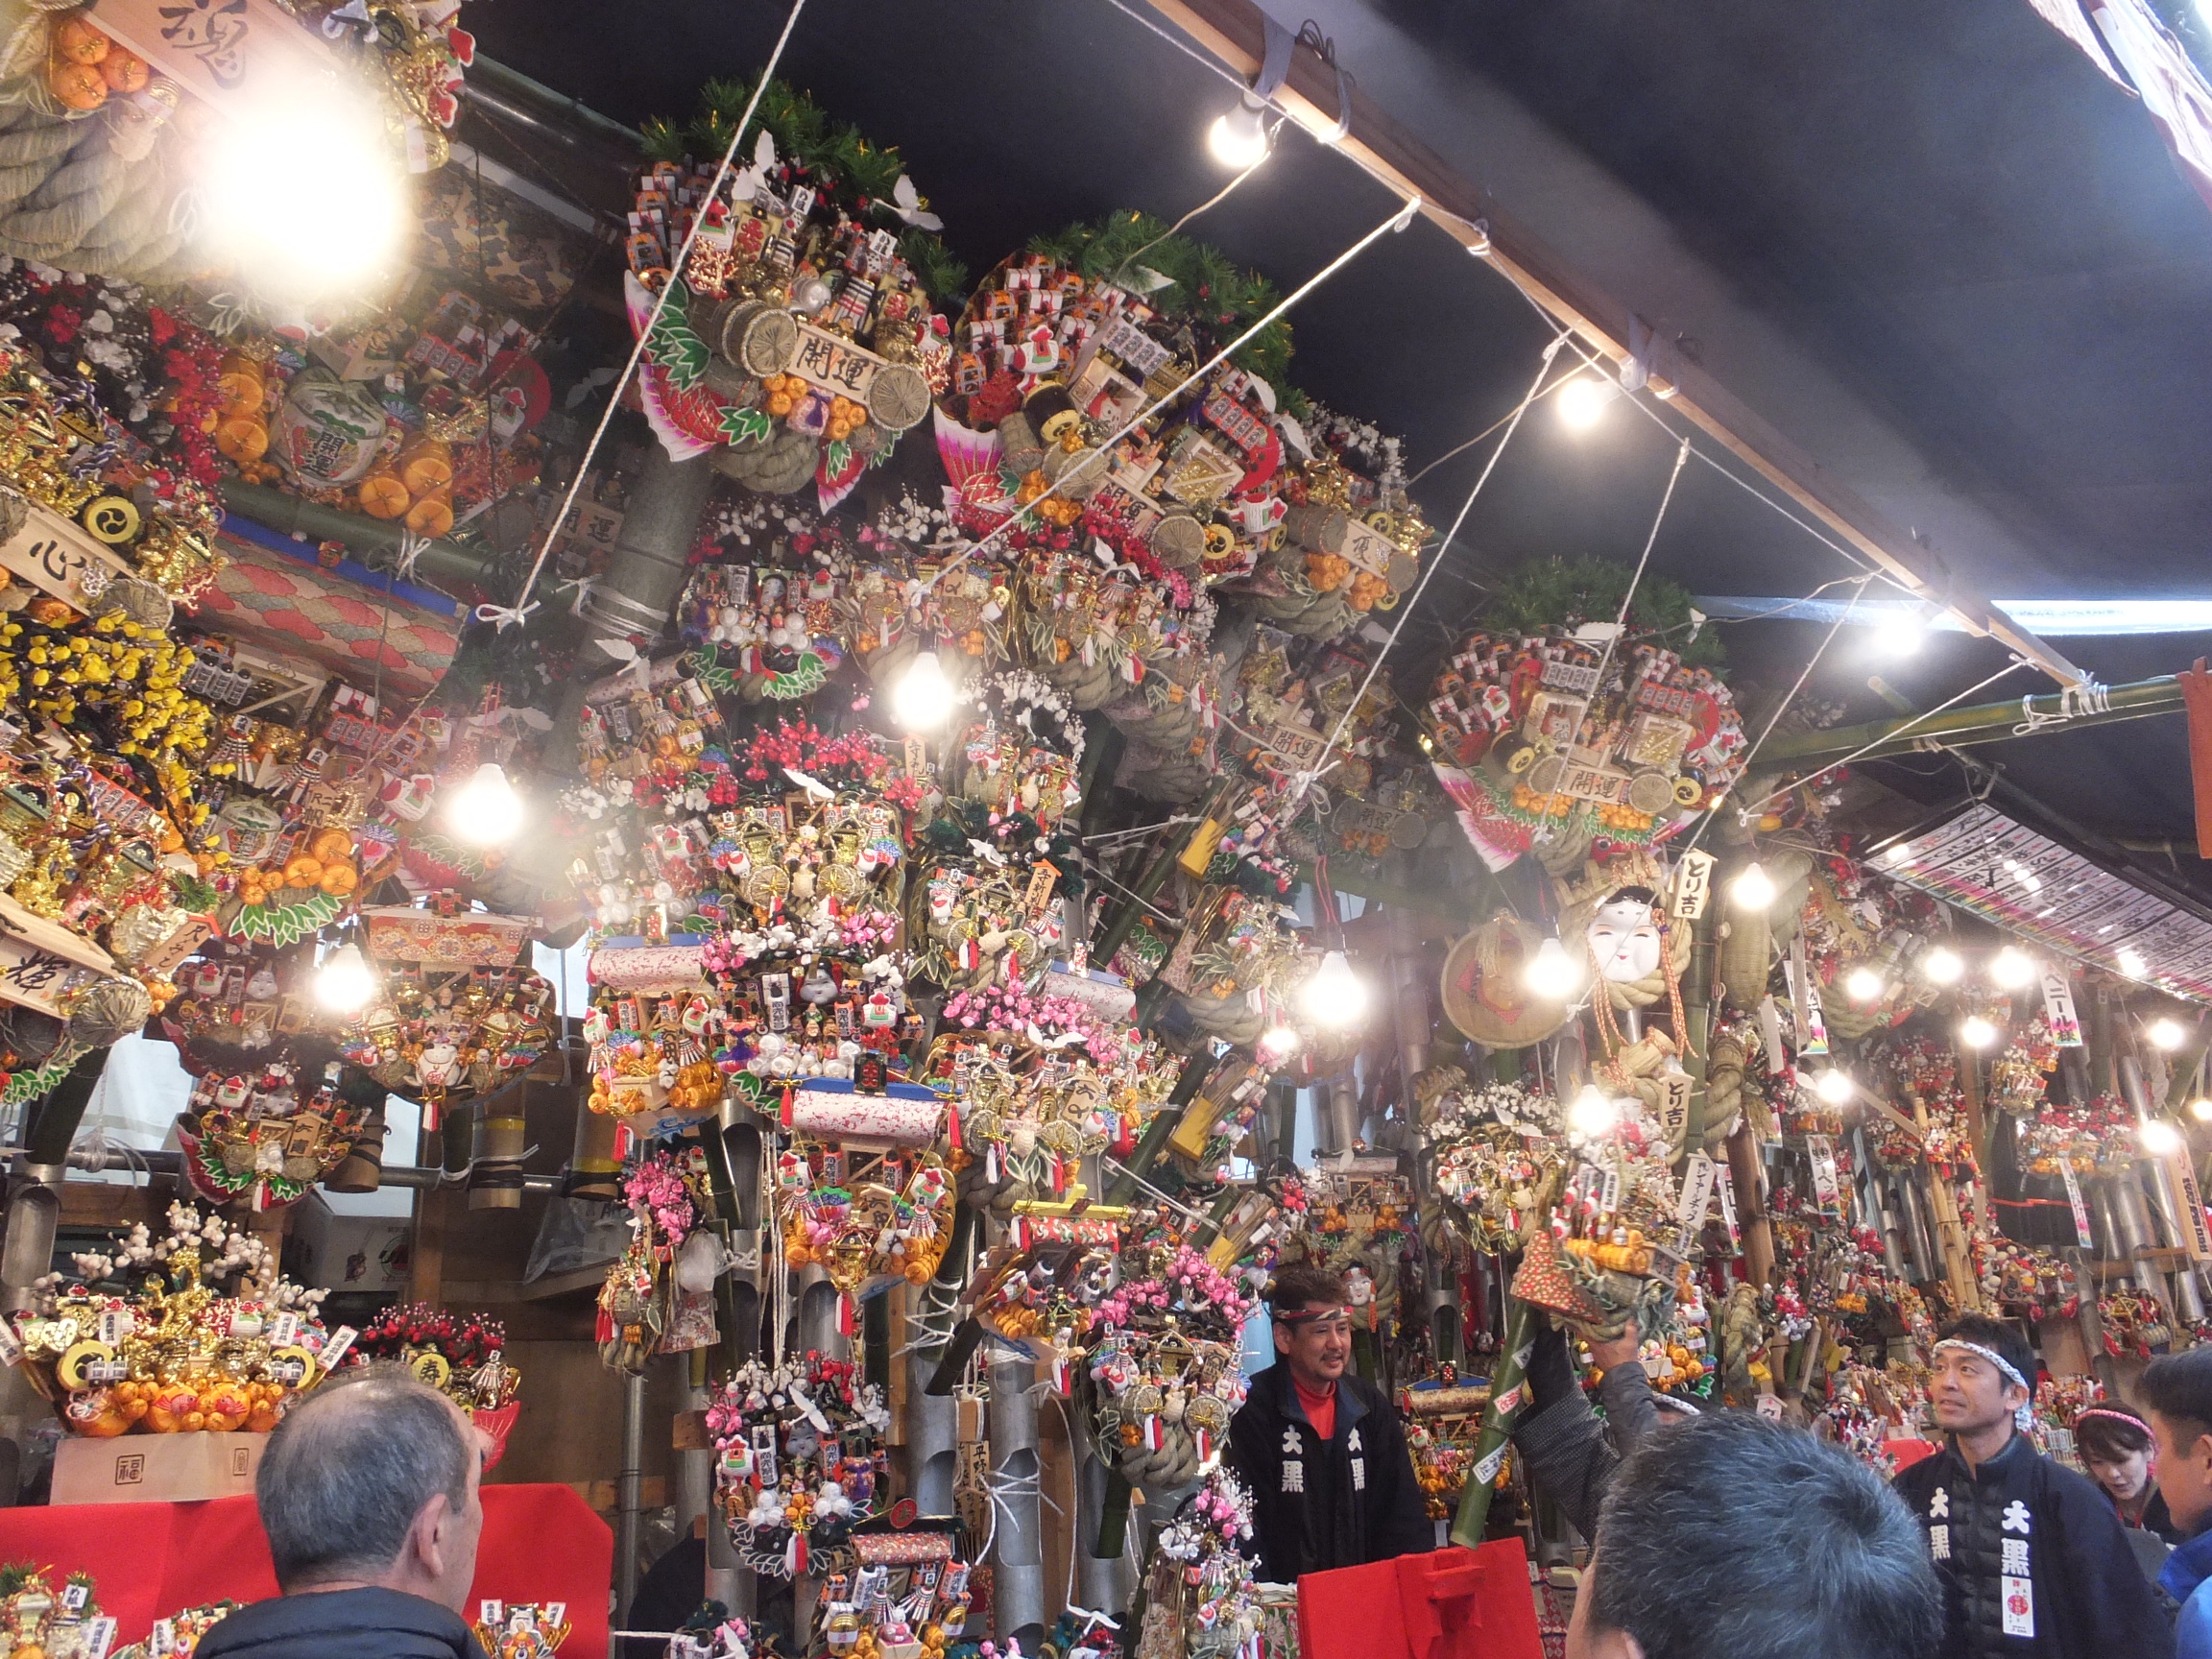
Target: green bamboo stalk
(1507,1387)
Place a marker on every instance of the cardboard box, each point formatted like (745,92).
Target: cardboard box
(156,1468)
(332,1252)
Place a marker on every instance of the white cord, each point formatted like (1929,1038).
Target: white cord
(519,610)
(1397,220)
(2091,697)
(1306,779)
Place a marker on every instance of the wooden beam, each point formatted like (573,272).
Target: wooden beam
(1235,32)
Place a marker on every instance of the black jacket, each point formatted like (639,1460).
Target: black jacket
(1568,1452)
(2084,1597)
(1318,1504)
(342,1624)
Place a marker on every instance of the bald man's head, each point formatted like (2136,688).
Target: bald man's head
(350,1470)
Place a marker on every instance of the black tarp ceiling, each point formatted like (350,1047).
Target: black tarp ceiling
(1935,246)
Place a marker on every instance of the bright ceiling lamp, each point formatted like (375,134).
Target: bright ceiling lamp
(1581,401)
(1335,995)
(1835,1087)
(1551,973)
(1591,1114)
(1901,634)
(2010,969)
(1753,890)
(302,193)
(923,699)
(1239,139)
(2200,1109)
(1862,985)
(487,812)
(2168,1034)
(2131,962)
(1977,1032)
(1943,966)
(345,981)
(2159,1137)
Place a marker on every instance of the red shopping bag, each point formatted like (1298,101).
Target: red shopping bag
(1451,1605)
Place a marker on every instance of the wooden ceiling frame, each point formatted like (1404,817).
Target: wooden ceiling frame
(1235,33)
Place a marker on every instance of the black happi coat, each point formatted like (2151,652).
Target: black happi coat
(2082,1596)
(1315,1503)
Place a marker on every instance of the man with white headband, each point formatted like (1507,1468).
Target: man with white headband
(2032,1560)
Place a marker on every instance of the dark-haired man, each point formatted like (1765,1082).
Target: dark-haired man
(1321,1448)
(2031,1557)
(1727,1537)
(2176,1391)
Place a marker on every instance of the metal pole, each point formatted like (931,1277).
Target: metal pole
(35,1188)
(631,1487)
(1018,1555)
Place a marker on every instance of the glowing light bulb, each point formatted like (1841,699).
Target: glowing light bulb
(2159,1137)
(2168,1034)
(1977,1032)
(2010,969)
(344,982)
(1862,984)
(1552,973)
(2200,1109)
(1335,995)
(1592,1114)
(1835,1087)
(1900,634)
(486,812)
(1941,967)
(1277,1043)
(301,191)
(1582,401)
(1753,890)
(2131,963)
(922,701)
(1239,139)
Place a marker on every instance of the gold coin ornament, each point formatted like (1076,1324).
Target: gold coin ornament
(113,519)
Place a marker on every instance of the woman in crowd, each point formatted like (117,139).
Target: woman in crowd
(2117,1454)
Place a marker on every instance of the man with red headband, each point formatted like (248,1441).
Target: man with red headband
(2032,1559)
(1320,1448)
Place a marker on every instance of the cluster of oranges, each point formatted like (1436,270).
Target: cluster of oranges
(202,1401)
(326,864)
(1052,509)
(416,483)
(241,427)
(84,66)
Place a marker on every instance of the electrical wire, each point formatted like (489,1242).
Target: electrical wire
(505,615)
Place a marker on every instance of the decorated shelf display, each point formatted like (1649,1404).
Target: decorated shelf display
(42,1619)
(799,1461)
(178,1352)
(659,1294)
(463,1355)
(520,1630)
(179,1634)
(263,1138)
(798,342)
(1554,736)
(455,1016)
(1201,1597)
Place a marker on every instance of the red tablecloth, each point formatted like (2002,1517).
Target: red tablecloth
(148,1561)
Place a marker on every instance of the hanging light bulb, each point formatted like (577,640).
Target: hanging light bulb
(1552,973)
(1335,995)
(1862,984)
(1239,139)
(1943,966)
(2200,1109)
(1277,1043)
(1582,401)
(2010,969)
(487,812)
(1835,1087)
(1591,1114)
(2168,1034)
(1753,890)
(1900,634)
(2131,963)
(2159,1137)
(1977,1032)
(922,701)
(345,981)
